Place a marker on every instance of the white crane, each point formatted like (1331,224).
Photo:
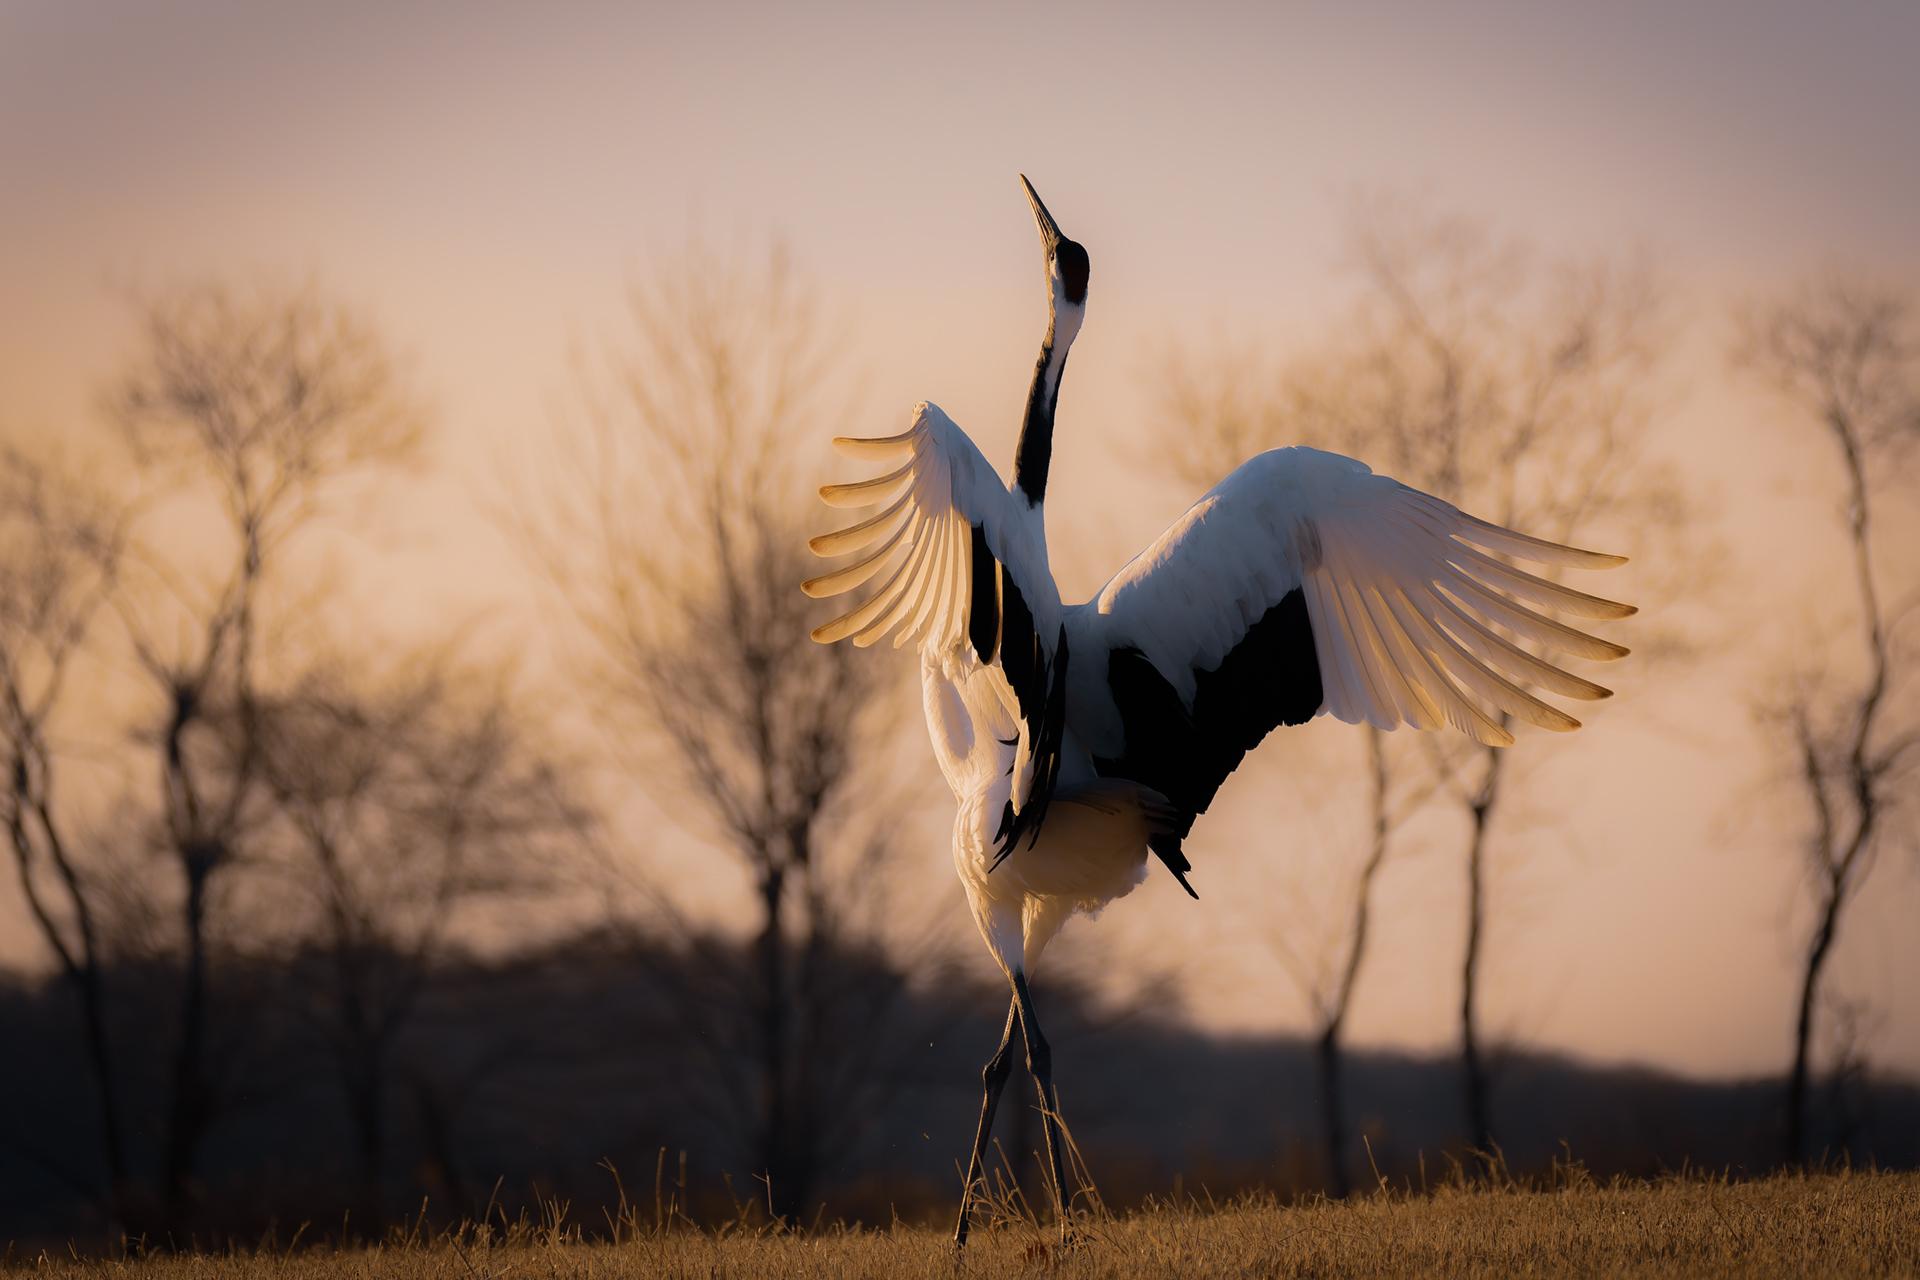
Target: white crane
(1077,738)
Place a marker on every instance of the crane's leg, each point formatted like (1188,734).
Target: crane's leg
(1040,1066)
(993,1078)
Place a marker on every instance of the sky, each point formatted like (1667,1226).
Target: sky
(484,180)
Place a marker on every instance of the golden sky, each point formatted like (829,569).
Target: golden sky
(484,178)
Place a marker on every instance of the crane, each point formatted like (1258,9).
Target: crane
(1078,739)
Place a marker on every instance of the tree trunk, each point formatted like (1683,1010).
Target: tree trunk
(360,1050)
(1472,1061)
(1473,1067)
(1333,1110)
(80,963)
(365,1096)
(1797,1082)
(100,1060)
(187,1116)
(1329,1056)
(785,1174)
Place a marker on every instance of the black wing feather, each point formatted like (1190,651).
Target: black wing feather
(983,601)
(1269,678)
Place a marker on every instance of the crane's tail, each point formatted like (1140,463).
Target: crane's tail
(1166,822)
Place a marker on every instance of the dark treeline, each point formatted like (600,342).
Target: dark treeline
(521,1075)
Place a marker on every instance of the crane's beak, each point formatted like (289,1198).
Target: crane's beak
(1050,236)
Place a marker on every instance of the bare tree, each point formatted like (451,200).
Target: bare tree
(1514,390)
(1847,358)
(392,810)
(675,536)
(271,399)
(61,546)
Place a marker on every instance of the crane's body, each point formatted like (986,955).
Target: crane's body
(1091,849)
(1078,739)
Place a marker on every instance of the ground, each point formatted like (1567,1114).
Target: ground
(1852,1223)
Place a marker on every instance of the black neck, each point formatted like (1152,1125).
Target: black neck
(1034,454)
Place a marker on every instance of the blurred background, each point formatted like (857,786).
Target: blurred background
(414,775)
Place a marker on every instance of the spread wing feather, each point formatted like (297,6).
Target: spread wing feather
(1417,616)
(943,516)
(939,489)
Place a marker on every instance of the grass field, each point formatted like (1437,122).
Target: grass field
(1823,1225)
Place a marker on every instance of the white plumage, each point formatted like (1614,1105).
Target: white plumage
(1077,738)
(940,486)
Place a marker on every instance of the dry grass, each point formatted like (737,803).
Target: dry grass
(1820,1225)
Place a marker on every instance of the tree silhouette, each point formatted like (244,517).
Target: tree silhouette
(271,399)
(1846,358)
(61,550)
(674,534)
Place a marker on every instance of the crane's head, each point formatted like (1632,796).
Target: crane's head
(1066,269)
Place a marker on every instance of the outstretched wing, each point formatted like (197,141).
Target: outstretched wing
(961,564)
(1304,583)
